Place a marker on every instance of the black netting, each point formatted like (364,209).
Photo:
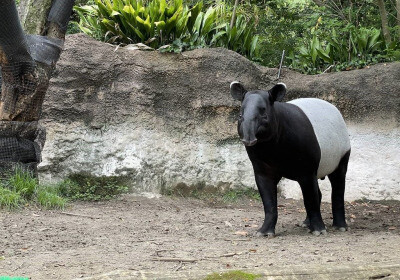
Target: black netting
(60,13)
(7,168)
(21,141)
(45,50)
(17,149)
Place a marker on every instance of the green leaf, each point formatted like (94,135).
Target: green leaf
(373,41)
(194,12)
(231,36)
(160,25)
(198,22)
(115,13)
(147,24)
(253,49)
(138,33)
(322,54)
(171,22)
(163,5)
(182,24)
(85,9)
(85,30)
(102,8)
(217,36)
(314,46)
(208,21)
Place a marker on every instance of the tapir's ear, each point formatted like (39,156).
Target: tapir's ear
(237,91)
(277,92)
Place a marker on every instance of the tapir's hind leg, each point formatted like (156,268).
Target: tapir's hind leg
(338,182)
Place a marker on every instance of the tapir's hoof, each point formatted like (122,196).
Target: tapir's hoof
(342,229)
(305,223)
(318,233)
(266,234)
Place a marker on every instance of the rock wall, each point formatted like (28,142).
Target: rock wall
(165,119)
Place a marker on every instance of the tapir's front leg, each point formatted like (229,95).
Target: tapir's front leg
(267,186)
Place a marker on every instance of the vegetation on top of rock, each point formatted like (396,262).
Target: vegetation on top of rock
(318,36)
(329,35)
(158,23)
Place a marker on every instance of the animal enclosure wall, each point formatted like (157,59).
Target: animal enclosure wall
(160,120)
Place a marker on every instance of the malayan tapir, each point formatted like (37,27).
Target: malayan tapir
(303,140)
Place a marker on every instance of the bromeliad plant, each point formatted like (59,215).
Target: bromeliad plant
(239,38)
(158,22)
(361,47)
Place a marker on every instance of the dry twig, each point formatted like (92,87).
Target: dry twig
(174,260)
(79,215)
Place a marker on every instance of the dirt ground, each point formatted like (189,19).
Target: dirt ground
(171,235)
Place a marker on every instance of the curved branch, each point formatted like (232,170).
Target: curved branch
(17,66)
(27,62)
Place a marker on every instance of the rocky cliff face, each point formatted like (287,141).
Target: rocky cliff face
(161,120)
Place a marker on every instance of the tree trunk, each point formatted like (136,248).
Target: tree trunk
(26,63)
(233,19)
(384,21)
(398,17)
(33,15)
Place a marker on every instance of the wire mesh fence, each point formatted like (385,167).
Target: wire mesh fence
(26,64)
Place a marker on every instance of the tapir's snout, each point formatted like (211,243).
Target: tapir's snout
(249,143)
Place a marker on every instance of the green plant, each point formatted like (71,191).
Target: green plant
(157,23)
(48,197)
(87,187)
(233,275)
(239,38)
(130,21)
(9,199)
(23,183)
(295,26)
(362,47)
(234,195)
(22,187)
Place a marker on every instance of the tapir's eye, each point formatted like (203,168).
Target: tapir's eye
(240,117)
(264,113)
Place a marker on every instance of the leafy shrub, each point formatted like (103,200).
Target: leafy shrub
(363,47)
(88,187)
(305,31)
(157,23)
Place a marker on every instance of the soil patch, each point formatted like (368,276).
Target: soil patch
(168,235)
